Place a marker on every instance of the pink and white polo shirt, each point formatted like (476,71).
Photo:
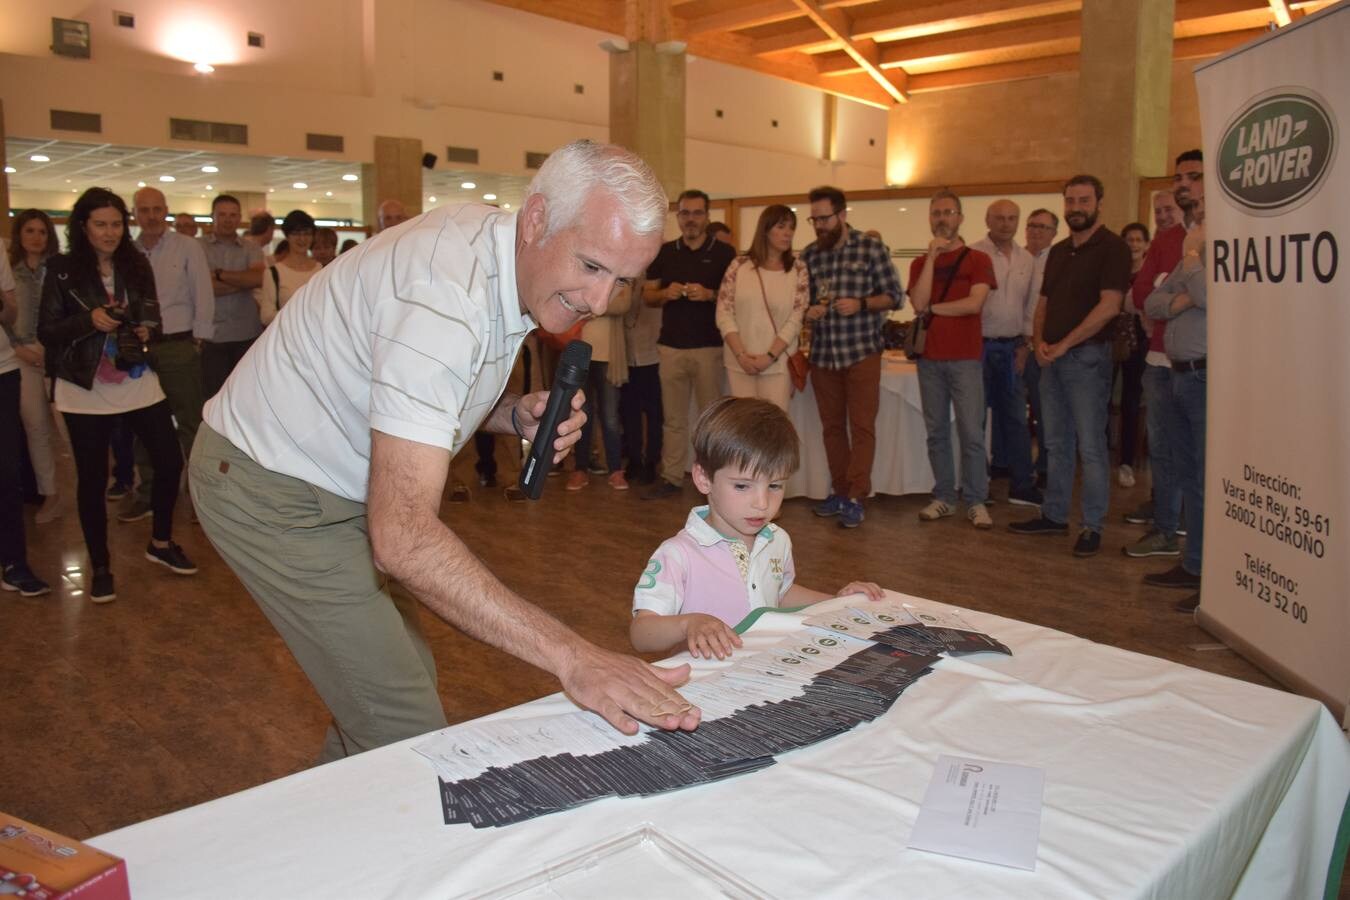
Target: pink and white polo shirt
(696,572)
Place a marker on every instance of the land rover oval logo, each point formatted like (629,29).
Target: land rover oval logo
(1275,151)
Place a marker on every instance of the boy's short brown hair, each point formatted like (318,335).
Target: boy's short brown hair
(753,435)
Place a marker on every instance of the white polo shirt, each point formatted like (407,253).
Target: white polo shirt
(1010,308)
(412,333)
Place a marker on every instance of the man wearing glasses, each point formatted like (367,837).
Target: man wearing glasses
(1042,226)
(683,281)
(853,288)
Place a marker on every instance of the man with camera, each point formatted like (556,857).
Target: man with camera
(683,282)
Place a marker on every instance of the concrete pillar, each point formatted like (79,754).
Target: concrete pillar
(396,174)
(646,108)
(1124,90)
(646,92)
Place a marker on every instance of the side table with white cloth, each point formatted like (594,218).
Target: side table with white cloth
(1160,781)
(901,464)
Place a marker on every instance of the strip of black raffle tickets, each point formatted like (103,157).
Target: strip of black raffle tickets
(844,668)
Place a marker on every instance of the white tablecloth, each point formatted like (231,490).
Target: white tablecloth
(1161,781)
(901,464)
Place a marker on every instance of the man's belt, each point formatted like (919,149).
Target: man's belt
(177,336)
(1017,338)
(1188,365)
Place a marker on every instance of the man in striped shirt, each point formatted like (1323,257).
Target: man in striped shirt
(853,288)
(319,469)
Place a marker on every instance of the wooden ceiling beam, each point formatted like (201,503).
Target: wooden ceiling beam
(837,27)
(602,15)
(734,50)
(897,53)
(960,15)
(975,75)
(1213,44)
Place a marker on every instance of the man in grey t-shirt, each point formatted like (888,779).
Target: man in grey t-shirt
(228,323)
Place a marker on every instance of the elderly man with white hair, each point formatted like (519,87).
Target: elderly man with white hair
(319,469)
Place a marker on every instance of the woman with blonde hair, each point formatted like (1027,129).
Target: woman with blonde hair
(759,310)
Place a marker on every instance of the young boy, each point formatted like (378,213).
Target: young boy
(728,559)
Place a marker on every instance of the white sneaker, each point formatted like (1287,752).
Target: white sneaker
(934,511)
(979,517)
(1125,476)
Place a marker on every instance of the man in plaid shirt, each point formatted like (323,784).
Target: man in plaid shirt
(853,288)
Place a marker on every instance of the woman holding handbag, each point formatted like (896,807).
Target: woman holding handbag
(98,313)
(760,307)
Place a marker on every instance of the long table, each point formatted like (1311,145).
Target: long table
(1161,781)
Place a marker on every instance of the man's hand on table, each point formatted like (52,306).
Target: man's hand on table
(624,689)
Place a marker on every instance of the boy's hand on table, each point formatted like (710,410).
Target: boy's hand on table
(709,637)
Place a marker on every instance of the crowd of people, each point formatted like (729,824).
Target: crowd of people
(146,336)
(126,338)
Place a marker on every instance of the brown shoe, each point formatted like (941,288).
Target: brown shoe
(1189,605)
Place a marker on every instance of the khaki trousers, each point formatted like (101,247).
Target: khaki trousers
(696,372)
(304,555)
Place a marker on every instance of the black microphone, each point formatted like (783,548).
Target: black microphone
(570,377)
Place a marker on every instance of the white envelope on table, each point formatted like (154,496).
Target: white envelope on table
(981,810)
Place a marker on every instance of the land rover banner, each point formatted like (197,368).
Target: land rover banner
(1276,581)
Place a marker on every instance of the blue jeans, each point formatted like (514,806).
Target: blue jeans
(1166,489)
(1075,390)
(1188,459)
(602,405)
(1031,377)
(1006,396)
(955,384)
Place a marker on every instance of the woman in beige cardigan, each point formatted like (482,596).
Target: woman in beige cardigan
(759,310)
(608,372)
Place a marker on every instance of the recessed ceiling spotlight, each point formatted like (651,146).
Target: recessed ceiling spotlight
(210,170)
(10,170)
(300,186)
(489,196)
(904,209)
(38,157)
(467,185)
(204,68)
(140,184)
(167,178)
(271,190)
(506,206)
(431,199)
(209,188)
(351,177)
(328,193)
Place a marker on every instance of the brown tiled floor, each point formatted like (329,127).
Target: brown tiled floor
(180,691)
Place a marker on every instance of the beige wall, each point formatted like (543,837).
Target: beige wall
(1016,131)
(407,68)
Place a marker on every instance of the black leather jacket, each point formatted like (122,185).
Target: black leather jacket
(65,319)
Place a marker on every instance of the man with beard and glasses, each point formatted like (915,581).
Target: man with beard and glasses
(853,288)
(1162,511)
(683,281)
(1086,276)
(950,284)
(1180,303)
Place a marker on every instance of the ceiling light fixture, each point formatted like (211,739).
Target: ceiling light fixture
(210,170)
(489,196)
(167,179)
(204,68)
(467,185)
(209,188)
(10,170)
(300,186)
(328,193)
(38,157)
(351,177)
(140,184)
(506,206)
(431,199)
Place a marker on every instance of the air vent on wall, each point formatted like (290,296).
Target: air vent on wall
(207,132)
(255,39)
(65,120)
(70,37)
(534,160)
(466,155)
(124,19)
(325,143)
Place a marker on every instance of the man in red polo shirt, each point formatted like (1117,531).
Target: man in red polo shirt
(949,285)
